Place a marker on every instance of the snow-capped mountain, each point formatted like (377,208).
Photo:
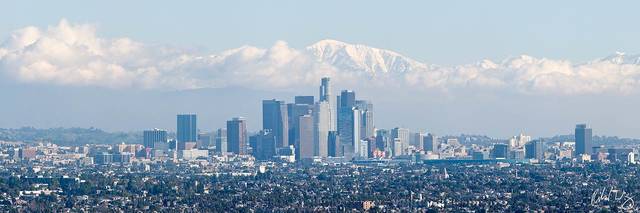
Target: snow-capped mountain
(357,57)
(622,58)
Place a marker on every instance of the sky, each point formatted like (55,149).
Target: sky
(440,32)
(550,64)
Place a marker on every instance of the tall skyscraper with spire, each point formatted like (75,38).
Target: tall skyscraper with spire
(325,96)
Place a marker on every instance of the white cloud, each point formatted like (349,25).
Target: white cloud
(72,54)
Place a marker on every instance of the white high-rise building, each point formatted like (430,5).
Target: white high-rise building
(403,135)
(517,142)
(322,125)
(356,131)
(397,147)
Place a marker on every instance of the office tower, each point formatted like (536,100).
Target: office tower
(371,146)
(264,147)
(347,99)
(253,141)
(150,137)
(583,136)
(500,151)
(275,118)
(417,140)
(325,96)
(367,124)
(307,99)
(295,111)
(430,143)
(403,135)
(384,141)
(325,89)
(322,125)
(304,146)
(204,141)
(534,150)
(348,121)
(221,140)
(187,130)
(335,147)
(237,135)
(355,132)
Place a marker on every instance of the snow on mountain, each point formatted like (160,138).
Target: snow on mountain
(357,57)
(621,58)
(74,55)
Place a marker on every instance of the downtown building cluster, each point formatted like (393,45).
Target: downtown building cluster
(341,128)
(337,128)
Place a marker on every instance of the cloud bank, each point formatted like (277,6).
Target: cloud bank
(74,55)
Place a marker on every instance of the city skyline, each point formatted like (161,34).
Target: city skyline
(306,127)
(328,106)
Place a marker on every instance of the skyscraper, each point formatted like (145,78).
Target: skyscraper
(150,137)
(325,89)
(402,135)
(204,140)
(349,121)
(355,132)
(384,142)
(583,136)
(417,140)
(325,96)
(295,111)
(335,147)
(187,130)
(430,143)
(347,99)
(221,140)
(367,124)
(307,99)
(275,118)
(500,151)
(265,145)
(518,142)
(534,150)
(237,135)
(305,141)
(322,125)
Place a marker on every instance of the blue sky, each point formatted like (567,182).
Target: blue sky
(443,32)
